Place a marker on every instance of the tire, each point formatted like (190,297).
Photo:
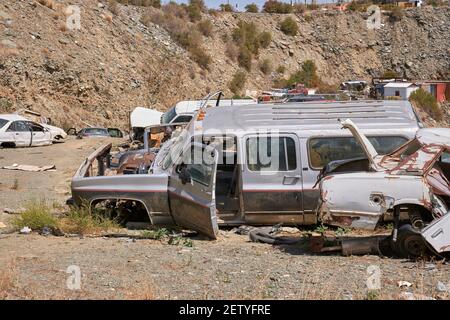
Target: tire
(410,243)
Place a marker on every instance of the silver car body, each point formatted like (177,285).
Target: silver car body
(232,194)
(415,175)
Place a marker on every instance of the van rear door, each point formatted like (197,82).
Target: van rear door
(192,190)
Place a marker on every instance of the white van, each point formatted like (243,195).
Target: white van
(183,111)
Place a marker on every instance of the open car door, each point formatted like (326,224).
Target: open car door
(192,190)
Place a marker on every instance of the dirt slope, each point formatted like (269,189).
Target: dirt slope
(98,74)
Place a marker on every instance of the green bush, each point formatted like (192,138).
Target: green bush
(390,74)
(226,7)
(36,216)
(246,35)
(427,102)
(252,7)
(141,3)
(264,39)
(289,27)
(273,6)
(205,27)
(307,75)
(195,9)
(238,82)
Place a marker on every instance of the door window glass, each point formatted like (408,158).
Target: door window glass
(18,126)
(3,122)
(271,154)
(36,127)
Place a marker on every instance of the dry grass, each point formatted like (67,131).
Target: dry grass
(7,280)
(145,292)
(38,214)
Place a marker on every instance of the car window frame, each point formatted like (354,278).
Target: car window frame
(278,135)
(308,141)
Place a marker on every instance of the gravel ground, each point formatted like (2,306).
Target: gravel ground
(34,266)
(229,268)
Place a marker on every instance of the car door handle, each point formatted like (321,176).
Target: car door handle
(289,180)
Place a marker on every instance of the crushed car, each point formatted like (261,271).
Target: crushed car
(409,187)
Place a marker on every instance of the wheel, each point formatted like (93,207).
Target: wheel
(410,243)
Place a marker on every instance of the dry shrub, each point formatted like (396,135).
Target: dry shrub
(48,3)
(63,27)
(7,280)
(265,66)
(205,27)
(182,32)
(232,51)
(237,84)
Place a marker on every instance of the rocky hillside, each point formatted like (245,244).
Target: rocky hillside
(114,63)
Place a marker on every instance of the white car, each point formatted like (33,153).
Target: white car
(58,134)
(17,131)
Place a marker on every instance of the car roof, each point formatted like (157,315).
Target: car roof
(435,136)
(313,117)
(13,117)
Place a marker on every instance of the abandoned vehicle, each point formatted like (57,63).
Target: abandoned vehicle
(240,183)
(409,186)
(17,131)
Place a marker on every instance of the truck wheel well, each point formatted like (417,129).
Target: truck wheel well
(124,210)
(417,215)
(8,145)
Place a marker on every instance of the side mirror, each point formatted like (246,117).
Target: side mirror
(184,174)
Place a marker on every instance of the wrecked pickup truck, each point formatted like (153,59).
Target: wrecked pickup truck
(409,186)
(268,159)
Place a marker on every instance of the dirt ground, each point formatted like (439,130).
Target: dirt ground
(33,266)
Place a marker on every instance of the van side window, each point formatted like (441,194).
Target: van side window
(327,149)
(271,154)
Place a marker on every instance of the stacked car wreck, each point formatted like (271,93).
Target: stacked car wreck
(409,186)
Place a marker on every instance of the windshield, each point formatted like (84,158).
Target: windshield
(174,150)
(96,132)
(3,122)
(168,116)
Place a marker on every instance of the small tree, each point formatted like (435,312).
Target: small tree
(289,27)
(238,82)
(252,7)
